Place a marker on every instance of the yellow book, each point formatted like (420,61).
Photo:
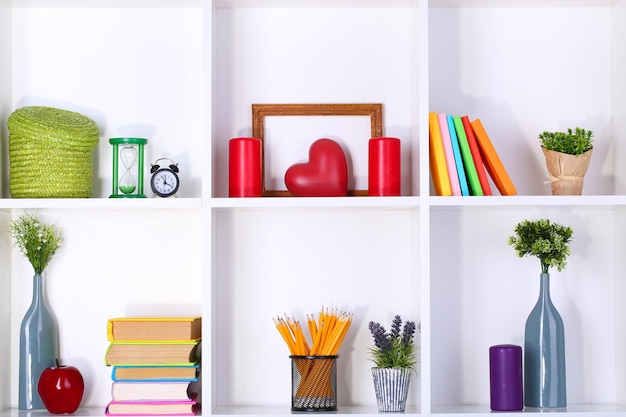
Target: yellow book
(132,329)
(438,166)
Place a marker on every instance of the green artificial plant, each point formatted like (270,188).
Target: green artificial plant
(546,240)
(572,142)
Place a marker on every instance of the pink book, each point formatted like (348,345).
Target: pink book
(447,149)
(152,408)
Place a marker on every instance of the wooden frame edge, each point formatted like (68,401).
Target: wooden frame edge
(260,111)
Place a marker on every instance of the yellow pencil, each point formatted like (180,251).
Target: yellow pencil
(312,326)
(318,339)
(327,334)
(345,325)
(334,336)
(284,332)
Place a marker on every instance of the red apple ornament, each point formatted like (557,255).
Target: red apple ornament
(324,175)
(61,388)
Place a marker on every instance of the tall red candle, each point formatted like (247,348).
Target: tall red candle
(244,167)
(384,167)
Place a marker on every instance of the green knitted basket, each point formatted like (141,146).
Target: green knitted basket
(51,153)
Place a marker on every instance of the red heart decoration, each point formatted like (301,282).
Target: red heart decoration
(324,175)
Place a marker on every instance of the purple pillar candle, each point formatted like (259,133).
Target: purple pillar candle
(505,377)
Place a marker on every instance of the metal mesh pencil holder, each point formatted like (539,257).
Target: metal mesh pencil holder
(314,383)
(51,153)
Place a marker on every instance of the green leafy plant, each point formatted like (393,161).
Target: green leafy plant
(546,240)
(572,142)
(37,241)
(394,349)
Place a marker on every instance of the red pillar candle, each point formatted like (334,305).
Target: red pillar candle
(244,167)
(384,167)
(505,378)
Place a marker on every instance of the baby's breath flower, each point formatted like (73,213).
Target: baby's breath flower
(36,241)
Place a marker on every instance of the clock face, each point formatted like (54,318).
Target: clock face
(164,182)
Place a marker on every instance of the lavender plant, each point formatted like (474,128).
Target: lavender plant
(37,241)
(395,349)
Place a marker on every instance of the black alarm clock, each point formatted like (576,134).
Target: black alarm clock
(164,181)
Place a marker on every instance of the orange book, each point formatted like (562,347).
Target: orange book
(154,328)
(478,160)
(492,161)
(438,167)
(152,353)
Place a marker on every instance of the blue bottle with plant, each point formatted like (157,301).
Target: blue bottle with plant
(544,336)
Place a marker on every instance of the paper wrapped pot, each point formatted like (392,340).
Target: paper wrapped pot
(566,171)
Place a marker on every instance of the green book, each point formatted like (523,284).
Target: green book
(468,161)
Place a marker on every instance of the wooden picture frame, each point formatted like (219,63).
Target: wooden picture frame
(259,111)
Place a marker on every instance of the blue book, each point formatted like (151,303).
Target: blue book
(160,373)
(456,149)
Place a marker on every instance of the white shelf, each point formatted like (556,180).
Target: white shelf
(607,201)
(108,4)
(476,410)
(325,4)
(101,203)
(184,73)
(522,3)
(285,411)
(316,202)
(81,412)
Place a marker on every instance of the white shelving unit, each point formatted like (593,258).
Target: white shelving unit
(185,74)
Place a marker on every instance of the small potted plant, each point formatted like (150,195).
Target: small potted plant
(544,335)
(394,357)
(567,156)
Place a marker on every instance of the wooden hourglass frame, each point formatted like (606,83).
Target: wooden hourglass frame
(128,154)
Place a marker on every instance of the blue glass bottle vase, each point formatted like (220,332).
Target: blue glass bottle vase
(544,353)
(38,347)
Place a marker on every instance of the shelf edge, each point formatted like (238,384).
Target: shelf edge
(113,203)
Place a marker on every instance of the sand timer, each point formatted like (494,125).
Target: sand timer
(128,156)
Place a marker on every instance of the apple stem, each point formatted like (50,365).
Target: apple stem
(57,362)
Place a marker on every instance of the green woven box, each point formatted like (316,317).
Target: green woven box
(51,153)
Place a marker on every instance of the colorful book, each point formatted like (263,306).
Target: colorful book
(447,148)
(157,353)
(468,161)
(492,161)
(152,408)
(438,169)
(152,372)
(153,391)
(154,328)
(478,160)
(457,156)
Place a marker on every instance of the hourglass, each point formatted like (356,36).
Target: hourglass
(128,156)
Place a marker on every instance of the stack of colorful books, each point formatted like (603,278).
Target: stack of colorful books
(460,151)
(155,365)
